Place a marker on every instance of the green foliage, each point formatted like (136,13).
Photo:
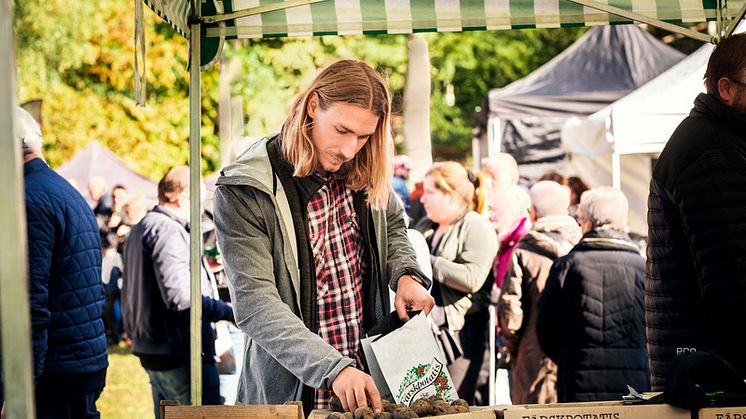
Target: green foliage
(79,58)
(475,62)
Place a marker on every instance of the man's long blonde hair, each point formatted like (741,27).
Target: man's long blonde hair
(356,83)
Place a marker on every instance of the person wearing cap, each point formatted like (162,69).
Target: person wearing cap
(66,295)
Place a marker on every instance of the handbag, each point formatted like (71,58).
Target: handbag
(446,339)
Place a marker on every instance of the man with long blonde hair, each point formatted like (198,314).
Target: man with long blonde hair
(313,242)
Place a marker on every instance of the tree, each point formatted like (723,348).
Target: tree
(79,58)
(474,62)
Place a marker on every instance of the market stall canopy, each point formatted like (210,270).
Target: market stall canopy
(95,160)
(642,121)
(224,20)
(602,66)
(525,117)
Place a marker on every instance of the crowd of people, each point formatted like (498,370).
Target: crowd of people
(317,235)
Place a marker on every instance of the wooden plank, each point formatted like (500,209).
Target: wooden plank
(477,412)
(617,410)
(723,413)
(288,411)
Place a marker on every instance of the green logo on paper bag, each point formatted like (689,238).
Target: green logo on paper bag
(422,377)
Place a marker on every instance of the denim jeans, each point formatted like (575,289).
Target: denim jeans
(175,384)
(49,406)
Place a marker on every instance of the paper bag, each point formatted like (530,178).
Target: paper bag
(406,364)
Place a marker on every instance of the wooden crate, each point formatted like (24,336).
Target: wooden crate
(722,413)
(600,410)
(173,410)
(477,412)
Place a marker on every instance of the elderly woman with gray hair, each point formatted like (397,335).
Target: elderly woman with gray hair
(592,315)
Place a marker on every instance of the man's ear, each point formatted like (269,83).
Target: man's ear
(725,90)
(313,104)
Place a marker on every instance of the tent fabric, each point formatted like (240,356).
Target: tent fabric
(642,121)
(373,17)
(95,160)
(344,17)
(602,66)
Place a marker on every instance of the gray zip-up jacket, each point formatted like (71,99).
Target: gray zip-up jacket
(257,234)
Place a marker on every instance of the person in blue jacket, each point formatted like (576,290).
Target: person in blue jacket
(65,291)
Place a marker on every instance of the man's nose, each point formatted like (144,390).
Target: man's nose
(349,149)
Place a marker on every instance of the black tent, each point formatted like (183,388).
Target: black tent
(524,118)
(96,160)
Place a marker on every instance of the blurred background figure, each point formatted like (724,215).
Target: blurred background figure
(591,315)
(503,169)
(111,219)
(402,166)
(554,177)
(577,187)
(134,208)
(111,276)
(416,211)
(97,197)
(553,234)
(509,207)
(462,246)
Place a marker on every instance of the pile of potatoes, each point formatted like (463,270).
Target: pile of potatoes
(426,406)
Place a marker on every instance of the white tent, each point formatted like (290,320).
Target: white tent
(618,144)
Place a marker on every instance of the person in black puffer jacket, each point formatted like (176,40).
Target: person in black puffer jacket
(591,314)
(696,270)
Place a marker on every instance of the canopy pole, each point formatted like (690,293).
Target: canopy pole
(195,232)
(734,24)
(644,19)
(251,11)
(493,354)
(14,299)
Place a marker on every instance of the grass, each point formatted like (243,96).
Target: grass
(127,393)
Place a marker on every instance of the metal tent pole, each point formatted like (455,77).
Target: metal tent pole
(493,354)
(14,304)
(644,19)
(195,232)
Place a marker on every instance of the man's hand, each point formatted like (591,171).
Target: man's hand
(2,411)
(411,296)
(355,388)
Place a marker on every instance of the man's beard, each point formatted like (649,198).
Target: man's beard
(739,101)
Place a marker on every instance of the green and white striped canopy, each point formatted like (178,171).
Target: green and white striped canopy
(343,17)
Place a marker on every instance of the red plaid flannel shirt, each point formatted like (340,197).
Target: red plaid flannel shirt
(337,246)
